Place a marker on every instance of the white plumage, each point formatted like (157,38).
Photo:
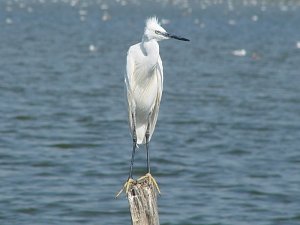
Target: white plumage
(144,81)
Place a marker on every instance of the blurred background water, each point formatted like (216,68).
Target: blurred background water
(226,146)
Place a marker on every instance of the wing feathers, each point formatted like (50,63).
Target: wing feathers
(131,82)
(154,114)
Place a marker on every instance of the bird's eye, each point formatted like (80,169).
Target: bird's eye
(157,32)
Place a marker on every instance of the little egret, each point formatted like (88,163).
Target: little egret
(144,85)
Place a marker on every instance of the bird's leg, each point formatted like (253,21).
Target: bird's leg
(134,141)
(148,176)
(130,180)
(147,147)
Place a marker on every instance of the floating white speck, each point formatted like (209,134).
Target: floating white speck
(254,18)
(8,9)
(283,7)
(232,22)
(123,3)
(263,8)
(29,9)
(74,3)
(298,44)
(104,6)
(239,52)
(82,12)
(8,21)
(92,48)
(254,2)
(22,5)
(105,16)
(165,21)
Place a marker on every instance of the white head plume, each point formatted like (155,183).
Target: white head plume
(153,29)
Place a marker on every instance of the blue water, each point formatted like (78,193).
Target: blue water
(226,146)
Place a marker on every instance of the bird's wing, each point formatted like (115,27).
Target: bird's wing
(160,79)
(128,83)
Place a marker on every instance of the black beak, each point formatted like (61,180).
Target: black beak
(177,37)
(171,36)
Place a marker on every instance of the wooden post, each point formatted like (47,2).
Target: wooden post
(142,198)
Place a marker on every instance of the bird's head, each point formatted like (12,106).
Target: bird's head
(154,30)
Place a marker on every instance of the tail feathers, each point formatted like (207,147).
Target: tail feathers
(140,134)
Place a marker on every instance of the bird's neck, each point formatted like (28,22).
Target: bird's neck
(150,49)
(149,46)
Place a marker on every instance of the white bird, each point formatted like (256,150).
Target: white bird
(239,52)
(144,86)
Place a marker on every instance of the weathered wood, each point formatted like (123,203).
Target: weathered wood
(142,198)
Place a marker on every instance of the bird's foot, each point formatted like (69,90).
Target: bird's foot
(126,186)
(151,180)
